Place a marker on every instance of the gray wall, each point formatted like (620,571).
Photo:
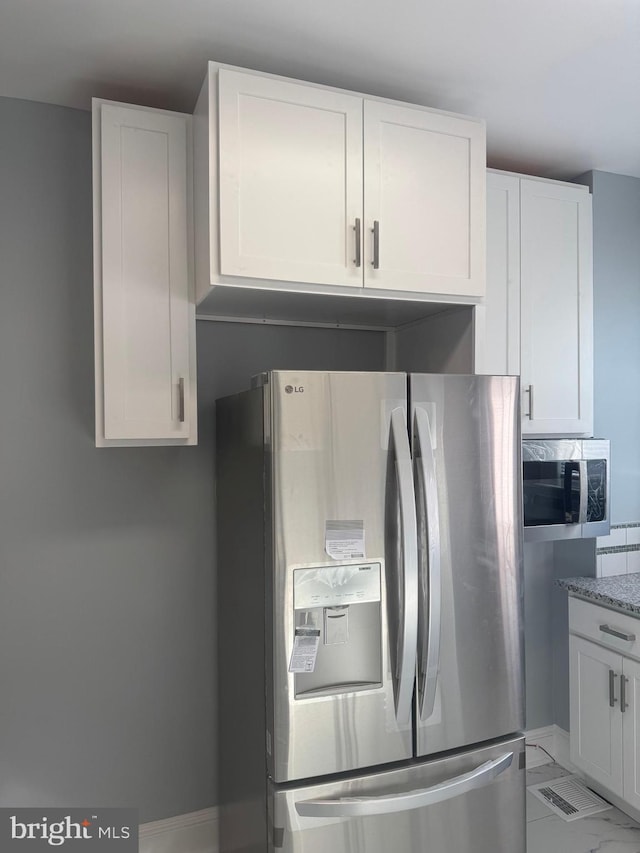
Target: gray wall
(616,278)
(107,588)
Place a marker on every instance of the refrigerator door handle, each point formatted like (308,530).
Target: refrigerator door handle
(429,560)
(409,629)
(392,803)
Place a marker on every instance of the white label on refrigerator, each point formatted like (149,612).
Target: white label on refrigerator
(344,540)
(305,650)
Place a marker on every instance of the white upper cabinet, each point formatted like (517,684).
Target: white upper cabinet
(424,200)
(143,302)
(308,188)
(290,180)
(537,318)
(557,308)
(498,318)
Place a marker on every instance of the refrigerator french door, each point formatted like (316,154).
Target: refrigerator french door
(369,587)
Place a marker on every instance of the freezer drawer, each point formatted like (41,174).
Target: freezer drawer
(470,802)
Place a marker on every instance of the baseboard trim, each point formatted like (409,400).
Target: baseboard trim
(554,741)
(196,832)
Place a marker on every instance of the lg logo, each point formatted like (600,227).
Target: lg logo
(294,389)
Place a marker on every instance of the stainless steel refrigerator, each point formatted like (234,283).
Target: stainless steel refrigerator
(369,537)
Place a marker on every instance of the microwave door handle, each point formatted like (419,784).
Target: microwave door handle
(409,534)
(572,472)
(584,491)
(429,561)
(394,803)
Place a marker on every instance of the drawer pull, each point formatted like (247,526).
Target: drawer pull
(612,688)
(630,638)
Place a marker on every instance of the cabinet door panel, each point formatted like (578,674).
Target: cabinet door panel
(425,185)
(145,320)
(290,159)
(498,319)
(556,327)
(631,734)
(596,728)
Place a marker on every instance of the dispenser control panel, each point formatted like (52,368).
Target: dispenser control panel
(336,586)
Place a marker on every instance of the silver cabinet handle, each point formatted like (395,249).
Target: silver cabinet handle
(181,408)
(607,629)
(529,390)
(376,244)
(612,688)
(356,228)
(623,693)
(407,506)
(392,803)
(429,562)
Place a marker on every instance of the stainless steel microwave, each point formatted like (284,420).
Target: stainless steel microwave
(565,486)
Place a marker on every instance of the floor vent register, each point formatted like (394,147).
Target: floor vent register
(569,798)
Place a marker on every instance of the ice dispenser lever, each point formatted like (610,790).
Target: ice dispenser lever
(336,625)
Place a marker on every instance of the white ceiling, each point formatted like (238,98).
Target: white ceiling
(558,81)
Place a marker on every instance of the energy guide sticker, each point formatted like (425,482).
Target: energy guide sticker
(344,540)
(305,650)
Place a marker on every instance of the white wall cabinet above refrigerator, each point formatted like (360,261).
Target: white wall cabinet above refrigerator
(537,319)
(305,187)
(143,301)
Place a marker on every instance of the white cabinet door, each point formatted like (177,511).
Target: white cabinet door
(631,733)
(144,310)
(596,725)
(497,344)
(556,295)
(290,180)
(424,193)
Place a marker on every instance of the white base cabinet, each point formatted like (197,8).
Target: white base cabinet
(604,699)
(307,188)
(143,300)
(537,319)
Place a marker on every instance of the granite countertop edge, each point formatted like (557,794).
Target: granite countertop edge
(619,591)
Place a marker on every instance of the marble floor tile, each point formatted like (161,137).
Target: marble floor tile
(607,832)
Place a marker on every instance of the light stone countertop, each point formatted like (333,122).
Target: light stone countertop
(619,591)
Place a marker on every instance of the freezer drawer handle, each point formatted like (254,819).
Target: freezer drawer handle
(391,803)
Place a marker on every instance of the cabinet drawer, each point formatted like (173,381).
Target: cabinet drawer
(597,623)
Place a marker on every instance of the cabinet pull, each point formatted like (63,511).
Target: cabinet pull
(529,390)
(623,693)
(356,228)
(181,400)
(606,629)
(376,244)
(612,688)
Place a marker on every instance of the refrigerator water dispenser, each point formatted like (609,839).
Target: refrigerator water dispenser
(342,603)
